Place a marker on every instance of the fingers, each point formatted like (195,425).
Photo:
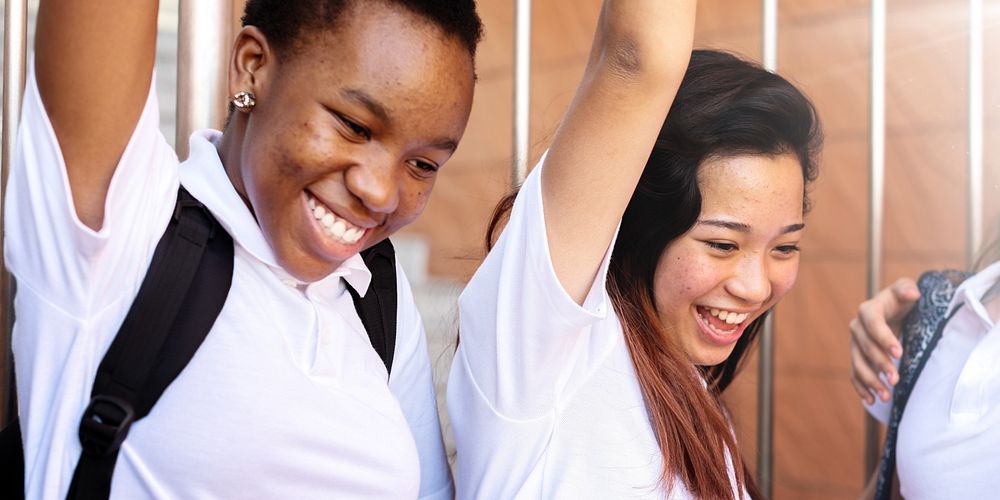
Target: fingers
(865,383)
(882,316)
(874,335)
(905,290)
(875,339)
(897,300)
(867,361)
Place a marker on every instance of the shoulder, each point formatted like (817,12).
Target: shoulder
(938,287)
(936,291)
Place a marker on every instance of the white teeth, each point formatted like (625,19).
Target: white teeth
(338,229)
(334,226)
(729,317)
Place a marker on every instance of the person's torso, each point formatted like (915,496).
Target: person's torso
(285,399)
(949,435)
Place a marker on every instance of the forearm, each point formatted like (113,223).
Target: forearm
(640,53)
(639,41)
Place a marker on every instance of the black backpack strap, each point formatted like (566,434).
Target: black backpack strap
(377,308)
(11,462)
(178,302)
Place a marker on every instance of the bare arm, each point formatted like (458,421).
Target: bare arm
(640,53)
(93,62)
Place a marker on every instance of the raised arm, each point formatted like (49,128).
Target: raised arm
(640,53)
(94,62)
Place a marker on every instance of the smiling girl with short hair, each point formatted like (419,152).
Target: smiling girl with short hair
(343,111)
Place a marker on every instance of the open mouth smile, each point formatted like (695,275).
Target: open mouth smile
(336,228)
(721,326)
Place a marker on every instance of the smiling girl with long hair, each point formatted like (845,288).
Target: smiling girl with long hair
(637,264)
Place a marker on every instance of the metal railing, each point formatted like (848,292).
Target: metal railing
(15,50)
(203,42)
(522,90)
(765,366)
(876,190)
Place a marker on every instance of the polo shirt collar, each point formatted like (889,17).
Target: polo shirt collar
(203,175)
(972,290)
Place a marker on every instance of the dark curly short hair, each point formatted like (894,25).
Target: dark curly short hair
(283,21)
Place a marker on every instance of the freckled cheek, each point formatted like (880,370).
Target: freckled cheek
(300,152)
(783,279)
(681,281)
(412,203)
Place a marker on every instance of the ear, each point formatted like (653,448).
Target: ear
(250,63)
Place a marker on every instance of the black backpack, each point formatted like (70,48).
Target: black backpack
(178,302)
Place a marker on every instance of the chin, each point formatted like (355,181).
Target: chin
(306,270)
(710,356)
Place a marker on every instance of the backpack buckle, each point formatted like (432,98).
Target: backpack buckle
(105,424)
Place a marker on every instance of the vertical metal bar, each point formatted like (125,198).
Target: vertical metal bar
(975,215)
(765,409)
(203,41)
(876,192)
(15,48)
(765,367)
(769,34)
(522,89)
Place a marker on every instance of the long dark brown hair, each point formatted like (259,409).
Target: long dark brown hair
(724,107)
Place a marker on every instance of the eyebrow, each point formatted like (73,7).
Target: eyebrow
(745,228)
(376,108)
(370,103)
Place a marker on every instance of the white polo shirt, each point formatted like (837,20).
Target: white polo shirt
(543,396)
(286,397)
(949,436)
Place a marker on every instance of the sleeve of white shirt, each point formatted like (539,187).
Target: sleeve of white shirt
(525,347)
(49,249)
(412,384)
(522,335)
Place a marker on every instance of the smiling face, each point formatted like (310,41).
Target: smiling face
(349,129)
(739,258)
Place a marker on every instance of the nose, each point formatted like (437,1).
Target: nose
(374,181)
(750,281)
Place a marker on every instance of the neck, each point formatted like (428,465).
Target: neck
(230,149)
(991,300)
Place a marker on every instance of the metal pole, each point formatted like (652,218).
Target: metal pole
(765,409)
(203,42)
(975,216)
(876,192)
(522,89)
(765,367)
(15,47)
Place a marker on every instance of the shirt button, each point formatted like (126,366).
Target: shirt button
(290,283)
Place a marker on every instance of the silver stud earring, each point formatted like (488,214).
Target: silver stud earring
(244,101)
